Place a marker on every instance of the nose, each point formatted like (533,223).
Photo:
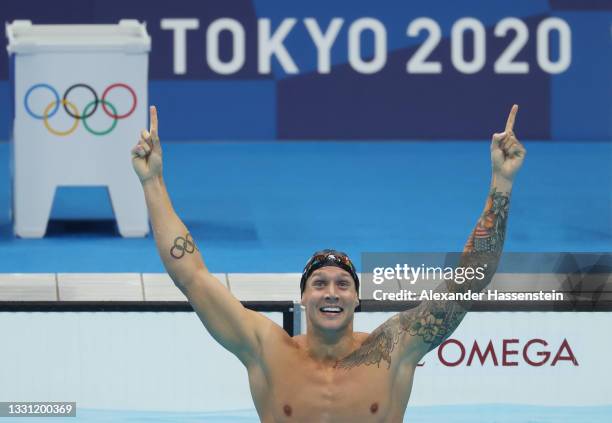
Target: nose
(331,295)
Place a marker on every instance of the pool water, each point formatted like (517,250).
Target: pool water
(483,413)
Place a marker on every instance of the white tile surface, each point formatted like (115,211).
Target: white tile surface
(27,287)
(159,287)
(265,286)
(245,286)
(99,287)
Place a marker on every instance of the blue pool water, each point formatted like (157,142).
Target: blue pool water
(479,413)
(248,202)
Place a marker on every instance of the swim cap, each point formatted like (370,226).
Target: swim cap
(328,257)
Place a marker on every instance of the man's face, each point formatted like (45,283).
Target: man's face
(330,298)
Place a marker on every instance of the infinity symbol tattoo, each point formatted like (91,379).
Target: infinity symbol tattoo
(183,245)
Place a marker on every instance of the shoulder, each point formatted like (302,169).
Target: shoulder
(361,337)
(297,341)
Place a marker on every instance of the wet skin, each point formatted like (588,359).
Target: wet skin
(331,374)
(307,378)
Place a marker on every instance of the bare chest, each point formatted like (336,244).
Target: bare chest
(295,389)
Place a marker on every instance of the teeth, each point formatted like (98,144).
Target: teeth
(331,309)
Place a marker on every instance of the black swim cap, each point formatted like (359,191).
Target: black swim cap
(328,257)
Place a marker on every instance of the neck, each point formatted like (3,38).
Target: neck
(329,347)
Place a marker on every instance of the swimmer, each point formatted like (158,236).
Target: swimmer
(330,374)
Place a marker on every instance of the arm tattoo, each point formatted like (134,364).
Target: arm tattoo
(434,321)
(377,347)
(490,231)
(183,245)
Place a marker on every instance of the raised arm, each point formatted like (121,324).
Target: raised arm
(419,330)
(233,326)
(428,325)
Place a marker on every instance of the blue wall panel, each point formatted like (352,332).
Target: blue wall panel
(581,98)
(215,110)
(391,103)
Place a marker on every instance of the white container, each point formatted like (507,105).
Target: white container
(80,101)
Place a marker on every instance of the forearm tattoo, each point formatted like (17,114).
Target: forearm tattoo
(490,231)
(183,245)
(434,321)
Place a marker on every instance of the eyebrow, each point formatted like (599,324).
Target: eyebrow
(341,278)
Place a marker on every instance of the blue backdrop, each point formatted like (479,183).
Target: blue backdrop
(555,61)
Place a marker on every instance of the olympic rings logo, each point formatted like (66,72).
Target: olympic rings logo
(52,108)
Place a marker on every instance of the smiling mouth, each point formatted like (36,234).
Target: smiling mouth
(331,310)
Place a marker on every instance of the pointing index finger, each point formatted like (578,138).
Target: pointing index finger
(153,120)
(511,118)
